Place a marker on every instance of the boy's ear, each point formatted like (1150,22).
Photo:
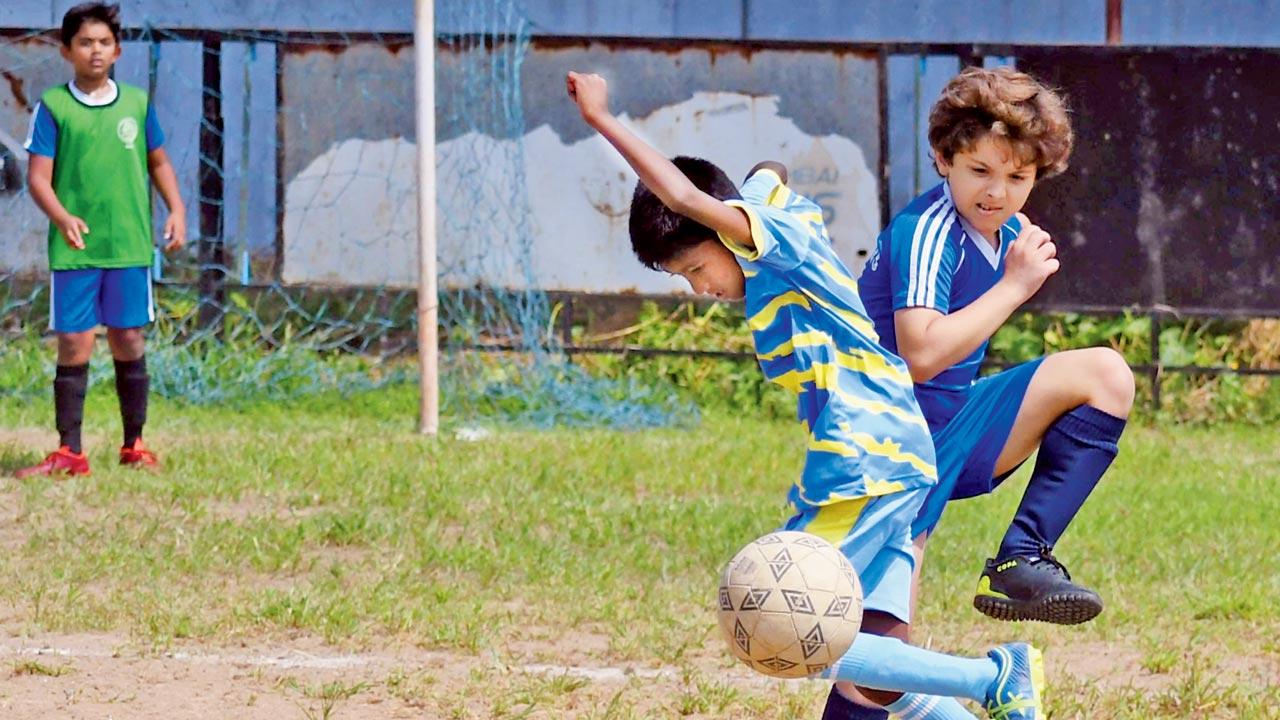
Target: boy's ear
(941,164)
(66,52)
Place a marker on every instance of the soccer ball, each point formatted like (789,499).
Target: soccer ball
(790,604)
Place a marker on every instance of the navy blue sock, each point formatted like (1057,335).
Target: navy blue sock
(840,707)
(1076,450)
(69,385)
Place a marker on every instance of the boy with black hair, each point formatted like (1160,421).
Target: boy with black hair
(870,462)
(92,142)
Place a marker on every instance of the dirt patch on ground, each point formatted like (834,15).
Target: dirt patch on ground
(104,676)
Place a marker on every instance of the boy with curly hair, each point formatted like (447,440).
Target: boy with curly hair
(946,274)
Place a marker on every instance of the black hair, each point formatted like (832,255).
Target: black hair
(658,233)
(76,17)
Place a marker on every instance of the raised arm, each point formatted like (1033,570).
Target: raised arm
(931,341)
(656,172)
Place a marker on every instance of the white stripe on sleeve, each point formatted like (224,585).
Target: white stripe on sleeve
(918,251)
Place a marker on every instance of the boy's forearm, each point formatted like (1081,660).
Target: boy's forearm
(47,200)
(953,337)
(166,183)
(657,173)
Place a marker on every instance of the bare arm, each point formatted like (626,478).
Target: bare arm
(40,183)
(931,342)
(656,172)
(175,227)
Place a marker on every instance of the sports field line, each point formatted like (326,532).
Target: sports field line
(297,659)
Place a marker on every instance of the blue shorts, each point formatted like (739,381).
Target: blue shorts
(84,299)
(875,534)
(969,443)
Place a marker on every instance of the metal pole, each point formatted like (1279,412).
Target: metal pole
(1155,361)
(424,48)
(210,250)
(1115,22)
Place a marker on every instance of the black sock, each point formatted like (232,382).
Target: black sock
(132,384)
(70,383)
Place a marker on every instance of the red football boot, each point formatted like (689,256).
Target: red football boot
(60,462)
(138,456)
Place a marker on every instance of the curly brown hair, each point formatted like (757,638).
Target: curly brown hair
(1008,104)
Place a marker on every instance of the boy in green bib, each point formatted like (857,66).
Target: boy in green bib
(92,143)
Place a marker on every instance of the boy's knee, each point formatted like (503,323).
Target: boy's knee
(885,625)
(1112,381)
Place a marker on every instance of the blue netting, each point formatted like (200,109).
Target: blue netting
(303,279)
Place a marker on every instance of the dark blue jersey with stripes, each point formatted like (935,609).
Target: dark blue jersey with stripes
(929,256)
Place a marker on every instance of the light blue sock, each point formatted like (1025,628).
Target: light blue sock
(887,663)
(928,707)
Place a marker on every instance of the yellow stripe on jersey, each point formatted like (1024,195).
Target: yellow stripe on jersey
(835,447)
(874,487)
(780,196)
(858,322)
(750,273)
(825,376)
(840,278)
(862,361)
(757,231)
(811,217)
(892,450)
(870,488)
(812,338)
(765,317)
(833,522)
(824,379)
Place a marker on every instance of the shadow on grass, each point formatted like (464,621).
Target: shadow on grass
(13,459)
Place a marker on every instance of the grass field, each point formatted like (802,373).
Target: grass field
(563,573)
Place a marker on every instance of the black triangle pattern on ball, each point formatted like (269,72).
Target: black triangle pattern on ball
(755,599)
(778,664)
(725,602)
(769,539)
(815,669)
(798,601)
(781,563)
(839,607)
(811,541)
(741,637)
(813,642)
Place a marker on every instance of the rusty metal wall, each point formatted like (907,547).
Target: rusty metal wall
(27,67)
(1171,194)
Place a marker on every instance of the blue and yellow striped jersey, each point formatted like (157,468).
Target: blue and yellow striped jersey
(812,336)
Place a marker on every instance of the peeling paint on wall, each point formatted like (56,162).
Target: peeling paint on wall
(351,217)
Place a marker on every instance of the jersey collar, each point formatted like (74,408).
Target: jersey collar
(85,99)
(975,238)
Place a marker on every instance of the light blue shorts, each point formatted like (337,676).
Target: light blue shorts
(875,534)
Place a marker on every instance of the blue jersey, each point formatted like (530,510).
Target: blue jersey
(812,336)
(929,256)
